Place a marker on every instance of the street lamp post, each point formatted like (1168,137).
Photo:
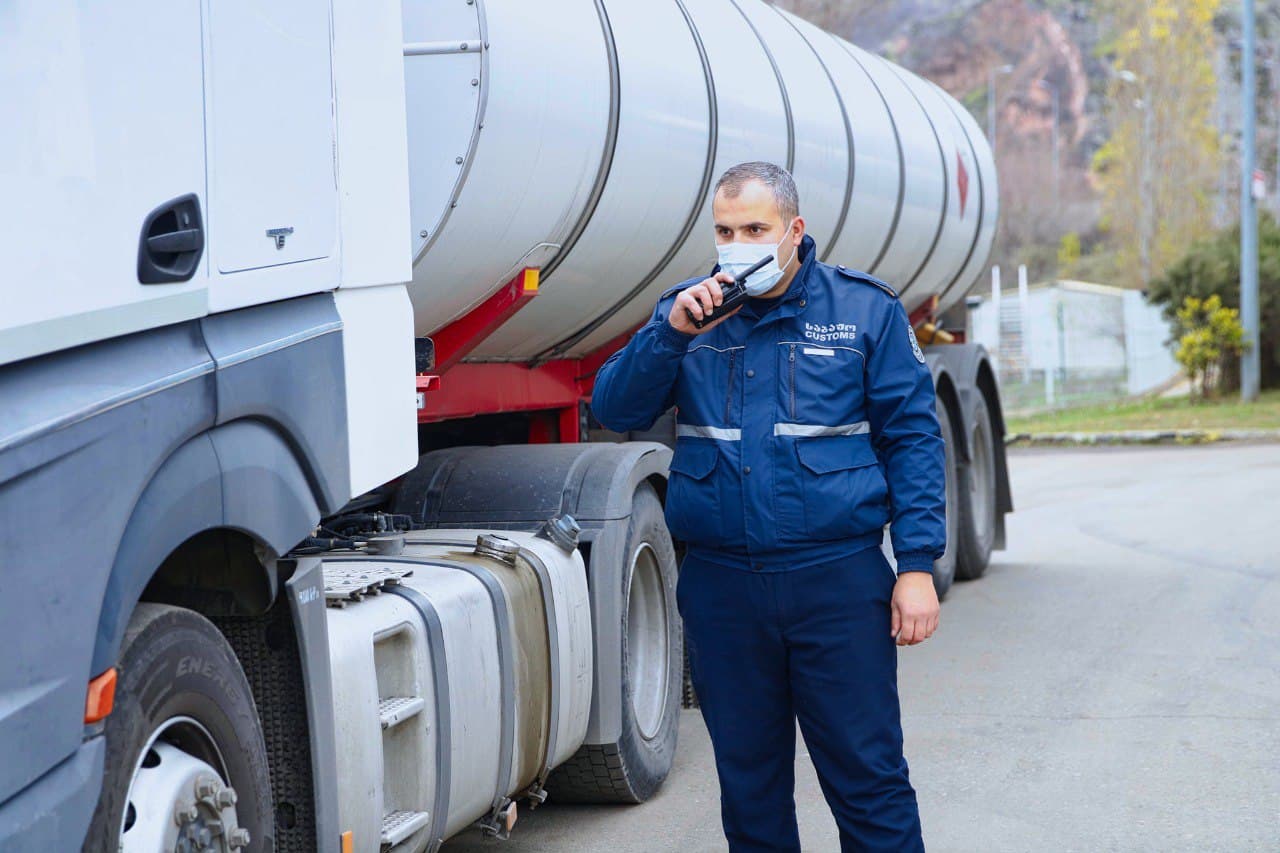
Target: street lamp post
(1147,223)
(1044,84)
(1272,66)
(991,101)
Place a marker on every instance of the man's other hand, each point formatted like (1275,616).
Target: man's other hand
(915,608)
(699,300)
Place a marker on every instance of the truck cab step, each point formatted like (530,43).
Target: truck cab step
(399,825)
(396,709)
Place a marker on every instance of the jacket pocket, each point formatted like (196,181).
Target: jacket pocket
(845,493)
(693,494)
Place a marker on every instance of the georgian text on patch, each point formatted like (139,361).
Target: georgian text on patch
(830,332)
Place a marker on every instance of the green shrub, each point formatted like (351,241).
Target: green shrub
(1210,337)
(1212,267)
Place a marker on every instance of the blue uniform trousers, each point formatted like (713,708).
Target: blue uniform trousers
(813,643)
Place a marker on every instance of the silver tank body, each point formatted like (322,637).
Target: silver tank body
(583,137)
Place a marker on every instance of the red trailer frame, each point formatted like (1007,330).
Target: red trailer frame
(456,389)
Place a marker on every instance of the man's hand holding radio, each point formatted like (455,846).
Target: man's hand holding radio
(699,300)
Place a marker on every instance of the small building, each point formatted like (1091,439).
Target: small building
(1075,338)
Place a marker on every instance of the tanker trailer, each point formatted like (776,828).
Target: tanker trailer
(581,148)
(306,618)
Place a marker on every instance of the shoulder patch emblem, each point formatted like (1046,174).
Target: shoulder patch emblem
(866,279)
(915,345)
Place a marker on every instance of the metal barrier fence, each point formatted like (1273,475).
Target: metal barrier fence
(1024,391)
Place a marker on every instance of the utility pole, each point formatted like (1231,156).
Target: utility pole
(1250,360)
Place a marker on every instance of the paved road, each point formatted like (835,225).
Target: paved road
(1113,683)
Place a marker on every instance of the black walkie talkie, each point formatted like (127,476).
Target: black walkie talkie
(734,295)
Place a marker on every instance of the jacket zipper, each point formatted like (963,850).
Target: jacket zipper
(793,381)
(728,397)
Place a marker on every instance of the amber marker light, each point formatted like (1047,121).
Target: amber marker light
(101,697)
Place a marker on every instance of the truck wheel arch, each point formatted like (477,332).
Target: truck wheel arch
(241,478)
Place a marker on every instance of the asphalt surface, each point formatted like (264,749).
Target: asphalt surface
(1111,684)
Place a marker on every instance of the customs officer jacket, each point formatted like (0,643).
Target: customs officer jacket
(800,432)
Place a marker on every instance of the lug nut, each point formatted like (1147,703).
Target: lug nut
(226,797)
(238,838)
(206,787)
(185,812)
(214,827)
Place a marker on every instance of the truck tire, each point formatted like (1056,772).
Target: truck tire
(944,568)
(632,769)
(977,501)
(185,758)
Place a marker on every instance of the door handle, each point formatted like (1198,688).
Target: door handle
(172,242)
(175,242)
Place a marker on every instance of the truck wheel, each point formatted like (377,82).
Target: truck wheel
(944,568)
(632,769)
(186,767)
(978,500)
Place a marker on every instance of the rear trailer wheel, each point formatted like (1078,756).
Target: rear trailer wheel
(978,500)
(944,568)
(632,769)
(186,767)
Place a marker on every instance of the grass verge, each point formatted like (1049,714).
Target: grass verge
(1156,414)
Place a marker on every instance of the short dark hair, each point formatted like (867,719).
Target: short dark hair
(776,178)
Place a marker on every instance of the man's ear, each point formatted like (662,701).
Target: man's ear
(797,229)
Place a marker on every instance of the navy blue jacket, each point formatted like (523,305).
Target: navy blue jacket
(800,433)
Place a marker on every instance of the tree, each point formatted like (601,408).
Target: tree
(1159,166)
(1210,336)
(1211,267)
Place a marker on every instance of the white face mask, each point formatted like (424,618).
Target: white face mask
(736,258)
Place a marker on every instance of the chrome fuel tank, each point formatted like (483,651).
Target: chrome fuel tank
(462,676)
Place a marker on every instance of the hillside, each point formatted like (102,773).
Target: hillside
(957,43)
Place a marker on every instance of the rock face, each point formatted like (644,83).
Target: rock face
(957,43)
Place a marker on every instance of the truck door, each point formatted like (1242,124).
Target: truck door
(272,183)
(103,131)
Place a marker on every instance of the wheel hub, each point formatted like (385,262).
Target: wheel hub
(647,642)
(178,802)
(981,481)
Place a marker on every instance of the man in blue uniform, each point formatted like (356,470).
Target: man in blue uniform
(805,423)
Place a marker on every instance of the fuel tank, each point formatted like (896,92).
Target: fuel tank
(584,137)
(462,673)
